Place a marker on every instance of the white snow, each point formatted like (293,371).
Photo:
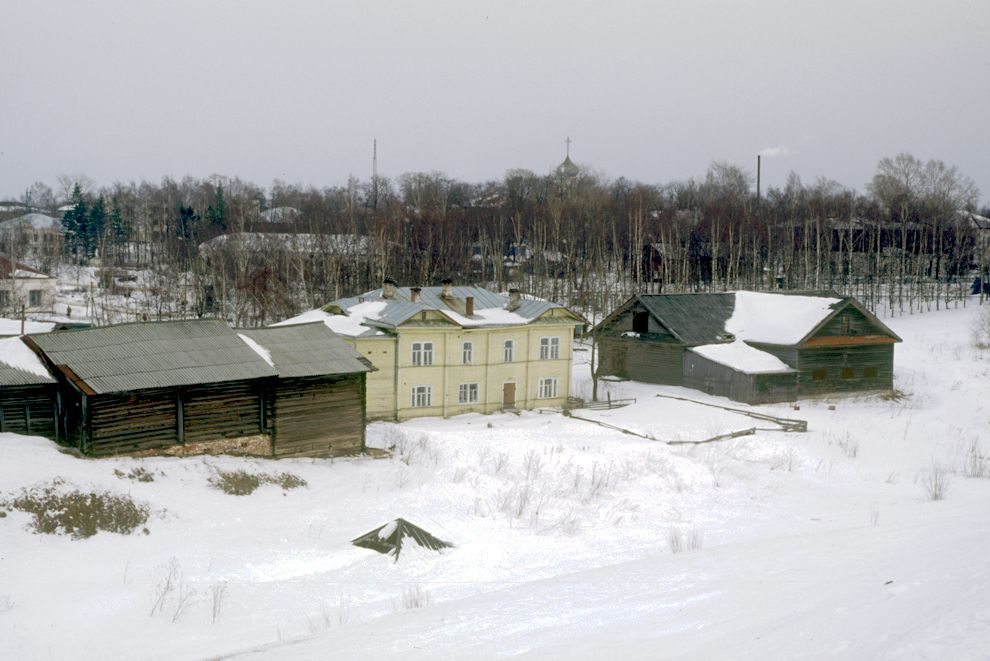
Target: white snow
(776,318)
(351,324)
(27,274)
(388,530)
(266,355)
(742,357)
(13,327)
(815,545)
(16,354)
(487,317)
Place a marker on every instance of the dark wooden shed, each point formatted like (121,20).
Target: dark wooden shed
(153,385)
(749,346)
(319,395)
(27,392)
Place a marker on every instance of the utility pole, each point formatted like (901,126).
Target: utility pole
(374,173)
(758,182)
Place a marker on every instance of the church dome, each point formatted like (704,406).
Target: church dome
(567,168)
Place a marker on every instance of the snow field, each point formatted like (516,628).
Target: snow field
(565,535)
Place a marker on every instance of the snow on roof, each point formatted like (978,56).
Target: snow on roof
(350,324)
(265,354)
(29,273)
(488,317)
(14,353)
(37,221)
(281,214)
(777,318)
(741,357)
(366,313)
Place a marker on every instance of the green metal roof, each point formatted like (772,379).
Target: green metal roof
(308,350)
(152,355)
(691,318)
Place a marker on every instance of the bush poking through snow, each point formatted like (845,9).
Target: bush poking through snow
(696,540)
(81,514)
(218,594)
(242,483)
(936,483)
(850,446)
(977,462)
(676,540)
(413,596)
(136,474)
(981,329)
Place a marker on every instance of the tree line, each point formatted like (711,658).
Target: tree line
(909,242)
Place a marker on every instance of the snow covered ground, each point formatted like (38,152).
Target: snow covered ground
(573,540)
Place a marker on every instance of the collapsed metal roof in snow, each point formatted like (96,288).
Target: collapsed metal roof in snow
(389,538)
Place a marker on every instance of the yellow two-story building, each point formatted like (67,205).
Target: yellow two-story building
(449,350)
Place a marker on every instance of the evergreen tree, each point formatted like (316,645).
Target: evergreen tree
(75,222)
(93,237)
(216,213)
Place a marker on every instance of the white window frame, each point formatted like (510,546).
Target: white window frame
(422,397)
(467,353)
(547,388)
(468,393)
(422,353)
(549,348)
(508,351)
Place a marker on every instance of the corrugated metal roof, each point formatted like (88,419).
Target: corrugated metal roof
(11,376)
(308,350)
(154,355)
(19,366)
(400,308)
(692,318)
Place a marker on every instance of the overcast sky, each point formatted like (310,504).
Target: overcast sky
(653,91)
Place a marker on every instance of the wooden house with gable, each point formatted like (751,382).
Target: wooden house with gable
(154,385)
(749,346)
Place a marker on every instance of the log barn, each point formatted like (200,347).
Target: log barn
(749,346)
(319,395)
(27,392)
(148,386)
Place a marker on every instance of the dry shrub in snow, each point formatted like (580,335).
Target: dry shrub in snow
(981,329)
(413,597)
(57,510)
(172,590)
(136,474)
(676,540)
(218,594)
(242,483)
(936,483)
(696,540)
(977,462)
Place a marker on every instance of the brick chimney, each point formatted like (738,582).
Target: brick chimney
(513,304)
(448,289)
(388,287)
(414,294)
(469,306)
